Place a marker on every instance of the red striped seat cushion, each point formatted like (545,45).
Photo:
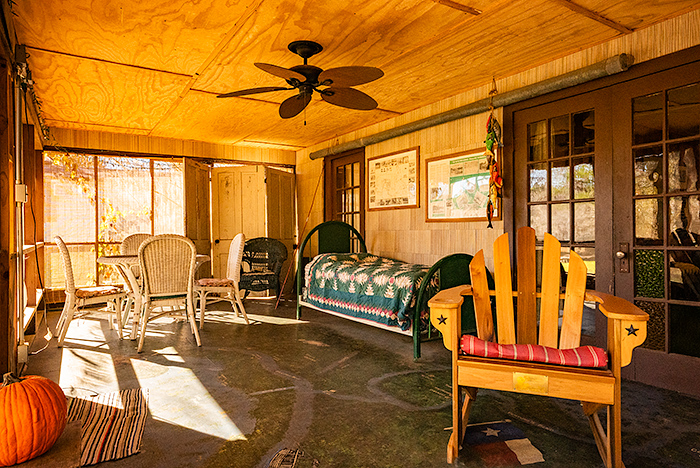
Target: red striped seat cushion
(583,356)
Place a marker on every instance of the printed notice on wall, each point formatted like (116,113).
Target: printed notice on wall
(393,180)
(458,187)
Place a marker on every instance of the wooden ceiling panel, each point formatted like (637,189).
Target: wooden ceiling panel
(200,116)
(468,59)
(355,32)
(136,66)
(323,121)
(170,35)
(78,91)
(636,14)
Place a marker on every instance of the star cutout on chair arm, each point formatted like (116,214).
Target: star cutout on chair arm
(632,331)
(442,320)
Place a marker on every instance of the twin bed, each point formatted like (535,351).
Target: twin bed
(347,281)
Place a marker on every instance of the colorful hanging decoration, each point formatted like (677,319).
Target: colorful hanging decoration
(493,142)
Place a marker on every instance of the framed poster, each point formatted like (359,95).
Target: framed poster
(457,187)
(393,180)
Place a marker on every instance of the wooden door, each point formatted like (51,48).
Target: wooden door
(238,205)
(197,210)
(563,184)
(345,189)
(657,219)
(281,219)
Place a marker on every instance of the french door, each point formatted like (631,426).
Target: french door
(345,189)
(614,173)
(562,184)
(657,209)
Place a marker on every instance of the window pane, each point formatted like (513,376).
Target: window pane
(649,273)
(561,222)
(356,174)
(537,140)
(538,182)
(561,178)
(684,329)
(584,222)
(684,111)
(683,220)
(538,220)
(648,222)
(648,171)
(169,198)
(559,128)
(124,197)
(684,273)
(584,132)
(356,199)
(340,177)
(584,178)
(683,166)
(647,118)
(69,197)
(348,176)
(656,328)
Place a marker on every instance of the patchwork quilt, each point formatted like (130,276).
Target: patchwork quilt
(366,286)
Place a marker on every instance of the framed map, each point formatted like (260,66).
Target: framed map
(457,187)
(393,180)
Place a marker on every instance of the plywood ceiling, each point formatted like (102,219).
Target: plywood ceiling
(154,67)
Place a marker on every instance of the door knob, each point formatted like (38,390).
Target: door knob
(620,254)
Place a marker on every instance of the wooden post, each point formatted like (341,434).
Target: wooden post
(8,343)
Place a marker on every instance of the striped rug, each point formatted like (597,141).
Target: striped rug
(112,424)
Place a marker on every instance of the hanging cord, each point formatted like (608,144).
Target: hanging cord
(492,93)
(301,235)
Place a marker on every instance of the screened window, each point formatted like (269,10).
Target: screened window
(93,202)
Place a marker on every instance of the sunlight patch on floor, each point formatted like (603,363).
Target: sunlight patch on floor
(178,397)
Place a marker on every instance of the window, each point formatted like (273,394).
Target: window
(93,202)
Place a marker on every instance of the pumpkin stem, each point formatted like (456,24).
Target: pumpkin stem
(9,379)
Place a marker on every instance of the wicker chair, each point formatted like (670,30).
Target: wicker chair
(262,258)
(167,263)
(226,289)
(77,298)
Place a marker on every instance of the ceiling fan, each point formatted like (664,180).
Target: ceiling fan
(334,84)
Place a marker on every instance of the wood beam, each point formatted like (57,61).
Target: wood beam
(594,16)
(458,6)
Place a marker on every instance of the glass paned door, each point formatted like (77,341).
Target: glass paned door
(562,185)
(665,148)
(345,190)
(561,182)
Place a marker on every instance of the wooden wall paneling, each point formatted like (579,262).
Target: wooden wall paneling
(8,345)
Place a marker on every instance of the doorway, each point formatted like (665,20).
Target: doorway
(611,169)
(345,189)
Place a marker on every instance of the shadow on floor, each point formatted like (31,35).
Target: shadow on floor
(347,394)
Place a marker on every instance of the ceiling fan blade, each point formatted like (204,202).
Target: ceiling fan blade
(348,97)
(350,76)
(280,71)
(293,105)
(245,92)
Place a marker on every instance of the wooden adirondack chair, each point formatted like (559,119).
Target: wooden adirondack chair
(596,388)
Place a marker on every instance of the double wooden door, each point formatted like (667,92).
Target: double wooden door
(613,173)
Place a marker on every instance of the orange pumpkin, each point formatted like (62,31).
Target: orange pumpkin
(32,417)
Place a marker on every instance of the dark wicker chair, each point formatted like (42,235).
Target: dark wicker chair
(262,263)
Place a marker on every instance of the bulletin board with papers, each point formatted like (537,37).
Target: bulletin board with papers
(457,187)
(393,180)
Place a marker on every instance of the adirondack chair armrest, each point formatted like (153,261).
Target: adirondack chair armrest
(627,325)
(446,314)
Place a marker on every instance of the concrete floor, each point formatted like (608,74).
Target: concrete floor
(347,394)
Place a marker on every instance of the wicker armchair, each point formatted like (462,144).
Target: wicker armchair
(77,298)
(224,289)
(262,258)
(167,263)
